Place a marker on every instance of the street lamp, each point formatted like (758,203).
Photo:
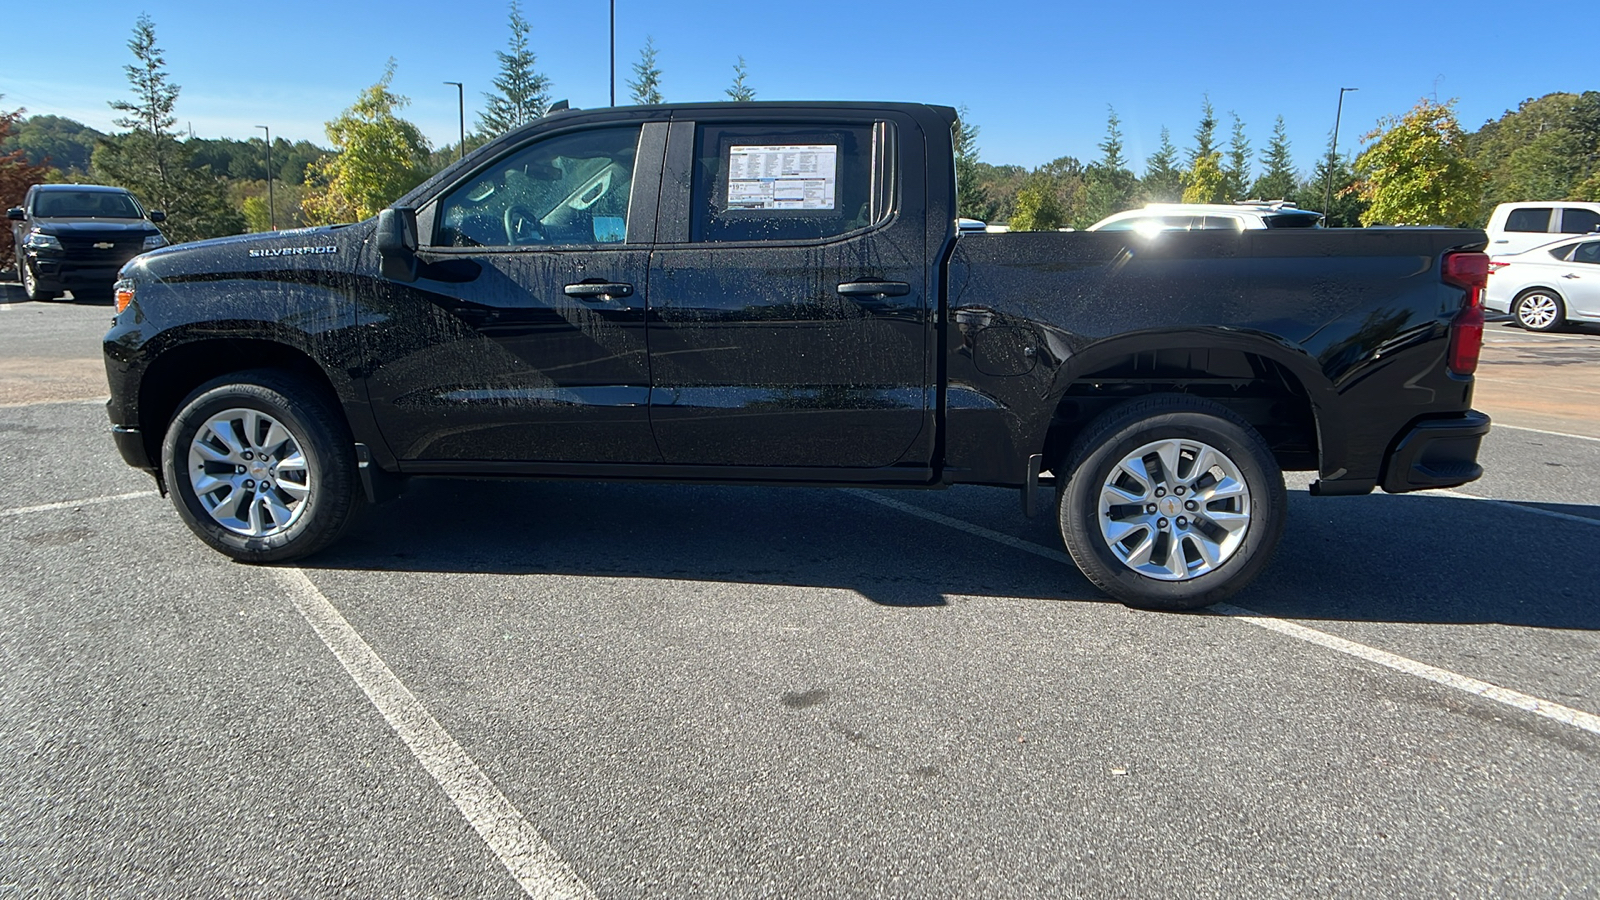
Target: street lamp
(613,52)
(272,208)
(461,109)
(1333,153)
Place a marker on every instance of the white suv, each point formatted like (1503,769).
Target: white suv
(1515,227)
(1245,215)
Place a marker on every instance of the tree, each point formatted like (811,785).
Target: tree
(1417,172)
(522,94)
(646,85)
(1038,207)
(1163,180)
(54,141)
(1237,171)
(1110,186)
(380,157)
(1344,207)
(150,161)
(739,90)
(970,200)
(1205,134)
(1548,149)
(16,176)
(1205,182)
(1278,181)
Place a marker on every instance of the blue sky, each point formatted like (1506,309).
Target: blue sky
(1036,76)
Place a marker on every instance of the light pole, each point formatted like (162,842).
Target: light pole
(1333,154)
(461,110)
(613,52)
(272,208)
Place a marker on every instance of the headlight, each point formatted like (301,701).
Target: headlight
(37,240)
(152,241)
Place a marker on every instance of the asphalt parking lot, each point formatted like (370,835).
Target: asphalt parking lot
(492,689)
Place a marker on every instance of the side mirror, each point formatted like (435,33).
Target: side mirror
(157,215)
(15,214)
(397,243)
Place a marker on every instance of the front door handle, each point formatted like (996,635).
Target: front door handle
(866,289)
(592,290)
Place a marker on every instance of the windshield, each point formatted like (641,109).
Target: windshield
(86,205)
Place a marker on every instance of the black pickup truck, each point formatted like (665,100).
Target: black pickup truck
(775,293)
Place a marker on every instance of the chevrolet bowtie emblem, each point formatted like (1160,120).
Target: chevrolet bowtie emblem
(104,245)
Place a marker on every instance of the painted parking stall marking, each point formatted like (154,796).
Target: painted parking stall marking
(1538,706)
(537,868)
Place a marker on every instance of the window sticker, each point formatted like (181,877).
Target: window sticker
(782,176)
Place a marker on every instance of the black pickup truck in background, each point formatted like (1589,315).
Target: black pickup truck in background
(775,293)
(75,237)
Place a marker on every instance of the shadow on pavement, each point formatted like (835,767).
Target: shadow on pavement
(781,536)
(1419,558)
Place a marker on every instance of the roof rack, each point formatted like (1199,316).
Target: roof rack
(1275,204)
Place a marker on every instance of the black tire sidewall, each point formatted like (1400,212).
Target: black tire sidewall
(1079,504)
(331,466)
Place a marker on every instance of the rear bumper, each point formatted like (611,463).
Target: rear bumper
(1436,453)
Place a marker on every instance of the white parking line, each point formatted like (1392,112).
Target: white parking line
(1554,711)
(1580,437)
(1517,506)
(531,861)
(74,504)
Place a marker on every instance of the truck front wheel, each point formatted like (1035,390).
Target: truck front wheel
(1170,502)
(260,467)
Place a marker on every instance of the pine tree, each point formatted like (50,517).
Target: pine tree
(1237,169)
(150,161)
(1205,134)
(1278,181)
(970,196)
(646,85)
(1163,180)
(523,94)
(739,89)
(1110,186)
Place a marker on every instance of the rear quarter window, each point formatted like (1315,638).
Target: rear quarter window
(1579,221)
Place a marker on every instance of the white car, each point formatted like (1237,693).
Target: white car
(1548,286)
(1516,227)
(1155,218)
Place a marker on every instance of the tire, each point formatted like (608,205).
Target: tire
(257,421)
(1540,309)
(30,283)
(1190,551)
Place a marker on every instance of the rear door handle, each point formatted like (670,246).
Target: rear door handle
(1570,275)
(868,289)
(589,290)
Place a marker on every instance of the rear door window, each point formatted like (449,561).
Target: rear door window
(787,182)
(1529,219)
(1579,221)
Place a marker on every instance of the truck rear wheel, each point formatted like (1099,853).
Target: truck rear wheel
(1171,502)
(260,467)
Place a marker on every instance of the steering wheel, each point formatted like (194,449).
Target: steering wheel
(522,226)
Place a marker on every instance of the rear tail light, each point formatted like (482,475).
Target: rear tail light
(1469,271)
